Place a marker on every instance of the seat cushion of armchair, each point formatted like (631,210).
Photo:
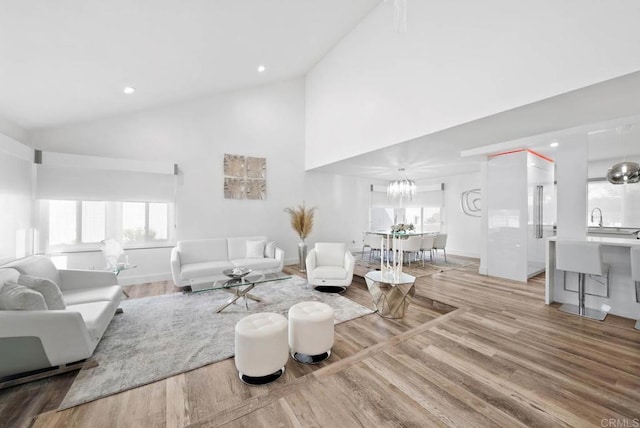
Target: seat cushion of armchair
(204,269)
(96,315)
(329,272)
(88,295)
(257,264)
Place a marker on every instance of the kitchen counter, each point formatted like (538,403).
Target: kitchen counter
(622,232)
(615,252)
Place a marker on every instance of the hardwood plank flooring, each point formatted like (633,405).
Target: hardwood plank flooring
(472,351)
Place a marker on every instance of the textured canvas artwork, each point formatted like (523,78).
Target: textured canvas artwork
(245,177)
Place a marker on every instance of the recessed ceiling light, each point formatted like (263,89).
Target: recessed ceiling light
(261,68)
(129,90)
(554,144)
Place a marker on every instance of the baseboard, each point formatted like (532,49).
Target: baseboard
(483,270)
(143,279)
(462,253)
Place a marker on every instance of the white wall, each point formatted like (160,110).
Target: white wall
(464,232)
(458,61)
(266,121)
(16,207)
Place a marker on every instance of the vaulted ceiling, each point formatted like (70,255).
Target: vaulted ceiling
(68,61)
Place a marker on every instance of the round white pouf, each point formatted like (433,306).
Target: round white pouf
(310,331)
(261,347)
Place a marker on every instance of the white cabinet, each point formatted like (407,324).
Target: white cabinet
(521,213)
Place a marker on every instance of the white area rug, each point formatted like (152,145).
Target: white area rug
(158,337)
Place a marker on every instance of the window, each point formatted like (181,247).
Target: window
(80,225)
(144,221)
(619,204)
(425,219)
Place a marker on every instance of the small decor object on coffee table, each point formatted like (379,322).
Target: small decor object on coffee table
(237,273)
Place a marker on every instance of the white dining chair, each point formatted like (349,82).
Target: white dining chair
(412,245)
(427,245)
(374,243)
(440,243)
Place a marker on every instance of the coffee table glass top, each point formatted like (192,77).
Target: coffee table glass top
(253,279)
(388,278)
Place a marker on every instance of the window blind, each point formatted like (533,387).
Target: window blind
(76,177)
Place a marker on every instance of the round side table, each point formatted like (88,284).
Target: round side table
(391,295)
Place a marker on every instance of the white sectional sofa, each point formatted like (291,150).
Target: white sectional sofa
(198,261)
(38,339)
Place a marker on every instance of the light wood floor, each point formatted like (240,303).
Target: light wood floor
(502,358)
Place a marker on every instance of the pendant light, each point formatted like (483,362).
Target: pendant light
(404,189)
(626,172)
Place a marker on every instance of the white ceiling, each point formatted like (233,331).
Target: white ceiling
(67,61)
(601,107)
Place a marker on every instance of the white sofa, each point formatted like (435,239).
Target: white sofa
(330,267)
(38,339)
(198,261)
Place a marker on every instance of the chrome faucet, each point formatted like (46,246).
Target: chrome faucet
(592,215)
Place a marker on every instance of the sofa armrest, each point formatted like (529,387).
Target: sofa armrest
(74,279)
(63,334)
(176,266)
(280,257)
(311,263)
(349,264)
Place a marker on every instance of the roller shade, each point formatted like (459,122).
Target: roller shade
(75,177)
(429,197)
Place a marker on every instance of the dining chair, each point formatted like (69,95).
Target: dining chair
(440,243)
(365,244)
(427,245)
(413,244)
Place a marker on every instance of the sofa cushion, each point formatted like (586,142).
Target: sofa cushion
(202,250)
(199,270)
(39,266)
(96,315)
(8,275)
(46,287)
(255,249)
(270,250)
(330,254)
(238,246)
(88,295)
(330,272)
(14,297)
(256,264)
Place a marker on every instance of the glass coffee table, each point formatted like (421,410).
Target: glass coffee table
(240,287)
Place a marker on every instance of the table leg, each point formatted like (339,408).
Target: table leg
(238,294)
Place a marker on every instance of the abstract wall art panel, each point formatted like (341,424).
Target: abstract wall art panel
(256,188)
(234,166)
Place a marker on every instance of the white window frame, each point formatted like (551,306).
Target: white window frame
(113,228)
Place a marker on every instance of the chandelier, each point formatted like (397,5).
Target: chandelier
(402,189)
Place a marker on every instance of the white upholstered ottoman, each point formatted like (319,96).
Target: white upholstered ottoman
(261,348)
(310,331)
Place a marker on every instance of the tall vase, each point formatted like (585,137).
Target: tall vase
(302,254)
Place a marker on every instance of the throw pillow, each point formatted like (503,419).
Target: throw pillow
(14,297)
(46,287)
(270,250)
(255,249)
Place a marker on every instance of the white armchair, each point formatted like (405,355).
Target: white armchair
(330,267)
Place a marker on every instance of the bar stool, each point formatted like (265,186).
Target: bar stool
(635,275)
(584,258)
